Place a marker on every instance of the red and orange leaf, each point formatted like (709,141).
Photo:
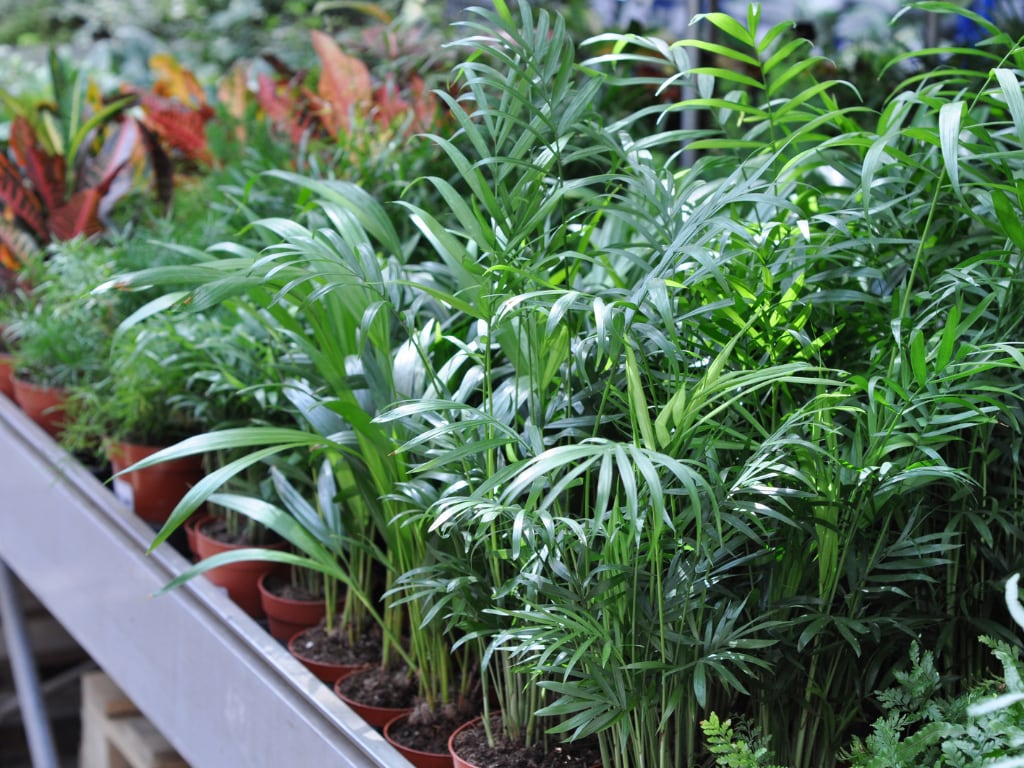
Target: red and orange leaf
(233,91)
(425,105)
(16,246)
(7,260)
(389,104)
(80,216)
(181,128)
(344,84)
(22,201)
(48,175)
(46,172)
(278,103)
(176,82)
(288,107)
(22,139)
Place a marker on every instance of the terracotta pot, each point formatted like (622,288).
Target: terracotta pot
(190,534)
(287,617)
(44,405)
(7,374)
(325,671)
(240,579)
(415,756)
(378,717)
(458,762)
(155,491)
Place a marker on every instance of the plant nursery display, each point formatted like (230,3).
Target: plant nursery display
(611,437)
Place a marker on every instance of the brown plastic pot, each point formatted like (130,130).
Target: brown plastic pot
(155,490)
(190,534)
(325,671)
(240,579)
(458,762)
(44,405)
(7,374)
(415,756)
(376,716)
(287,617)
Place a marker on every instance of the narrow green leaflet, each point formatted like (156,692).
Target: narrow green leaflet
(950,117)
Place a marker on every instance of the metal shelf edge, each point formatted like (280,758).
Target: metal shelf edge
(220,688)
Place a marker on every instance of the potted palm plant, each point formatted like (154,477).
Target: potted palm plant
(147,398)
(644,438)
(318,544)
(303,598)
(354,370)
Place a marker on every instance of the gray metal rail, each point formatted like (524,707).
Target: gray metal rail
(38,733)
(221,689)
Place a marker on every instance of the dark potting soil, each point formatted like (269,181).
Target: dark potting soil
(380,687)
(334,648)
(472,747)
(217,530)
(284,589)
(428,731)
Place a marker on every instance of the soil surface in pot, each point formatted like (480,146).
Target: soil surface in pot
(217,529)
(428,731)
(283,588)
(472,747)
(380,687)
(317,644)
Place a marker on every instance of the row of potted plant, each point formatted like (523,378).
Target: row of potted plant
(123,370)
(593,443)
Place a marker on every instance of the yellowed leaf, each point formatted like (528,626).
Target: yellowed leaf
(176,82)
(233,91)
(344,85)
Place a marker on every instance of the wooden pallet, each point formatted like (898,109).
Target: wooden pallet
(115,734)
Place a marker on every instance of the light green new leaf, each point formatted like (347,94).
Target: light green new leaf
(1011,89)
(729,25)
(950,118)
(794,70)
(720,50)
(728,75)
(638,401)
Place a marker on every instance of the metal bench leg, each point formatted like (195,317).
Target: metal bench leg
(26,679)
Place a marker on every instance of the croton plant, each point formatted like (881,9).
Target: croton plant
(344,97)
(70,160)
